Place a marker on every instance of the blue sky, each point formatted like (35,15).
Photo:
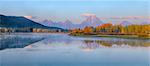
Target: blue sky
(60,10)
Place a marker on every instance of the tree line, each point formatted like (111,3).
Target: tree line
(110,29)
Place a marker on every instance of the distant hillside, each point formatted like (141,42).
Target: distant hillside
(21,22)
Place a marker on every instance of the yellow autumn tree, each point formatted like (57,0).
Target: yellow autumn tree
(88,30)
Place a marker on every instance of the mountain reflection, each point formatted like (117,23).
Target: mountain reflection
(92,44)
(61,40)
(17,41)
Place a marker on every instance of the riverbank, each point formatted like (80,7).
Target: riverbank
(33,32)
(111,36)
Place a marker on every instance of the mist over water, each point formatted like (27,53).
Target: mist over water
(43,49)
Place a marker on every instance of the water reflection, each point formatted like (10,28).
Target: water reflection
(64,50)
(93,44)
(51,40)
(17,41)
(88,44)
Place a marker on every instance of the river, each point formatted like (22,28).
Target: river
(49,49)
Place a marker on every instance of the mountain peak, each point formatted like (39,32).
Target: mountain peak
(46,20)
(125,23)
(2,15)
(68,21)
(91,21)
(143,23)
(21,22)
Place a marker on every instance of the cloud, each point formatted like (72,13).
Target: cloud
(133,17)
(30,17)
(88,14)
(128,17)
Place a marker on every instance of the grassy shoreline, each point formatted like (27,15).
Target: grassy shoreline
(111,36)
(96,35)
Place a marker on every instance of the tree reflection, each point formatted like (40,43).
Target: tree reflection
(17,41)
(93,44)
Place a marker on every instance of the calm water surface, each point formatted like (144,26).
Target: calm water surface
(42,49)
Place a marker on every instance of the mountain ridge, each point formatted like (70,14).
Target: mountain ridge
(21,22)
(89,21)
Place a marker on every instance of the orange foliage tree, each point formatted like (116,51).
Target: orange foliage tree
(88,29)
(104,27)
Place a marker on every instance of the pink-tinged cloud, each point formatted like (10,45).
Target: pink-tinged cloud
(148,19)
(114,17)
(128,17)
(138,17)
(88,14)
(30,17)
(134,17)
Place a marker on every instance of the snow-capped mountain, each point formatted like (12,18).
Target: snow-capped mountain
(145,23)
(125,23)
(66,24)
(89,21)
